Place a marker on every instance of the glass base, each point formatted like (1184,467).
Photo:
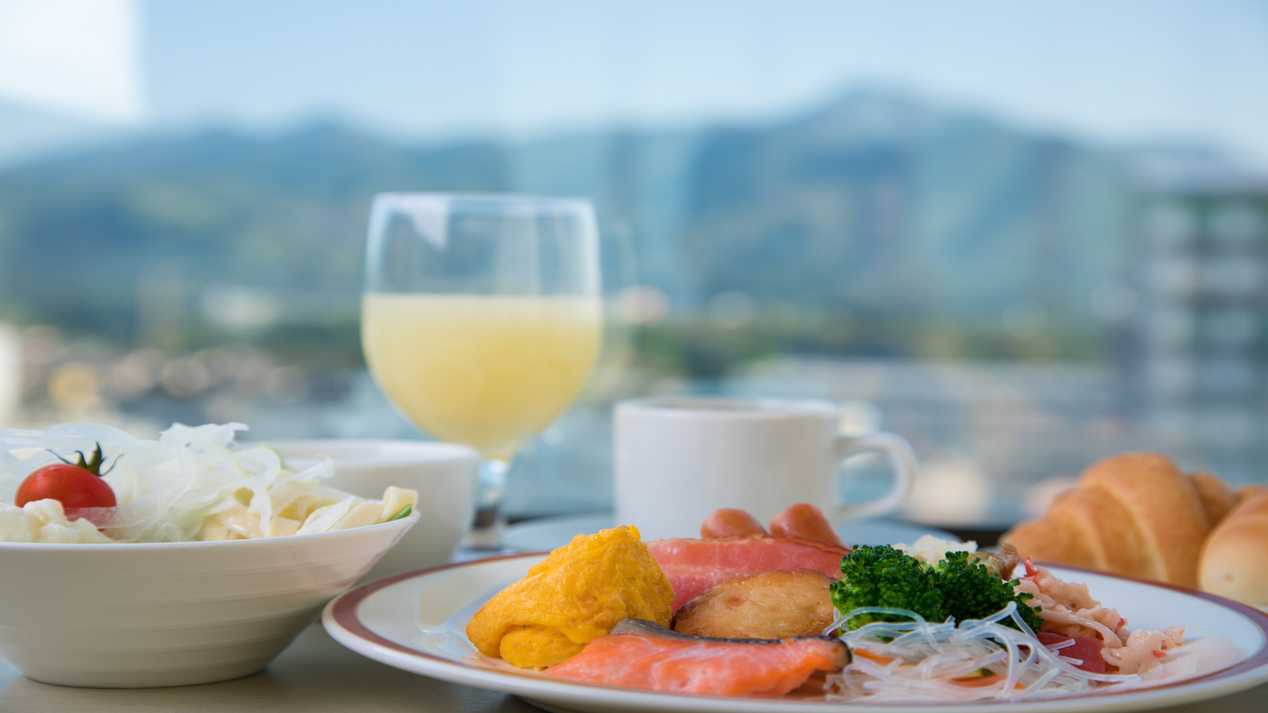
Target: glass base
(486,531)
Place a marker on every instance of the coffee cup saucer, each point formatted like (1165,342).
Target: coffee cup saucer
(548,533)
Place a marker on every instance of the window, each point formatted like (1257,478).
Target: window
(1023,237)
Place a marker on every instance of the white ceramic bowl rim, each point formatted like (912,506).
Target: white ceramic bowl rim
(239,544)
(353,452)
(721,407)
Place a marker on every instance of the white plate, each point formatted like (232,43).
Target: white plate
(416,622)
(550,532)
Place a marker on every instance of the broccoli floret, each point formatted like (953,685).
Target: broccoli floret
(885,577)
(971,591)
(956,587)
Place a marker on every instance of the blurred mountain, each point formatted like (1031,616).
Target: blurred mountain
(872,203)
(86,240)
(878,204)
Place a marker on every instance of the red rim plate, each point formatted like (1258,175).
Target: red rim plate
(342,612)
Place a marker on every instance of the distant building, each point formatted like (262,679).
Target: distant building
(1199,360)
(986,434)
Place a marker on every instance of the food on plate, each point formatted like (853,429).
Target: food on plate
(642,655)
(694,566)
(960,586)
(934,620)
(730,522)
(1068,609)
(802,520)
(1134,514)
(771,605)
(577,593)
(807,522)
(933,550)
(1067,643)
(193,483)
(1235,555)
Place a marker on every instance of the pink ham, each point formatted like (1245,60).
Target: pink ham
(1085,650)
(694,566)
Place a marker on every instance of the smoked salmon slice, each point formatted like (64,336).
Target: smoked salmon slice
(674,663)
(694,566)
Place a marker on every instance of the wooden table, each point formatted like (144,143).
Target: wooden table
(316,675)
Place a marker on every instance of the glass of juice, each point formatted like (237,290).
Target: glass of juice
(481,320)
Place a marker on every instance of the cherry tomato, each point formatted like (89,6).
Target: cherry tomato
(73,485)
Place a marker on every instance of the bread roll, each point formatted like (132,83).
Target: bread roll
(1235,557)
(1217,498)
(1246,492)
(1164,509)
(1134,513)
(1047,541)
(1075,531)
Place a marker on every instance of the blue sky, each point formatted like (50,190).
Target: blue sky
(1119,71)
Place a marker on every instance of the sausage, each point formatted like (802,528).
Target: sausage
(807,522)
(729,522)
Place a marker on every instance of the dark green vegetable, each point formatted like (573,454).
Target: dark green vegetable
(956,587)
(404,513)
(885,577)
(971,591)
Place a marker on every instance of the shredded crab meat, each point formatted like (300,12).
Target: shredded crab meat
(1144,649)
(1070,610)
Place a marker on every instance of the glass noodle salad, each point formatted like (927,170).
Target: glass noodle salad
(1066,643)
(193,483)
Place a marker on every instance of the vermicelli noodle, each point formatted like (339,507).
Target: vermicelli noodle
(971,660)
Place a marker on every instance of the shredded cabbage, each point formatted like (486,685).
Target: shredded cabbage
(166,488)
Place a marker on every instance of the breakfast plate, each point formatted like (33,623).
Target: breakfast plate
(416,622)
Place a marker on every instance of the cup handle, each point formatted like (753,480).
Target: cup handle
(901,459)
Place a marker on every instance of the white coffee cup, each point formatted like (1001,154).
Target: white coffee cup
(680,458)
(444,475)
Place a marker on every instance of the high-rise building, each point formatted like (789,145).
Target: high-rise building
(1200,359)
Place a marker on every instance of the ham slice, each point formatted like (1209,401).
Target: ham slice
(694,566)
(1085,650)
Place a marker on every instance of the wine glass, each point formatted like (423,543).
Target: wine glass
(481,320)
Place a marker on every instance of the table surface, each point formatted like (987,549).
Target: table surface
(316,674)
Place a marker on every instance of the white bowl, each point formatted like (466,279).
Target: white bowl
(171,613)
(444,474)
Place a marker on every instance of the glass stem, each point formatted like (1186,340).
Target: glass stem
(486,531)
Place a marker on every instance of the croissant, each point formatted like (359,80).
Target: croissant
(1217,498)
(1234,561)
(1135,514)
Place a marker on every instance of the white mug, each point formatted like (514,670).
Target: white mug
(680,458)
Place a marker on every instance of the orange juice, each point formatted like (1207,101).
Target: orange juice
(483,370)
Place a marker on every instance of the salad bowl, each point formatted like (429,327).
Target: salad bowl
(443,475)
(138,615)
